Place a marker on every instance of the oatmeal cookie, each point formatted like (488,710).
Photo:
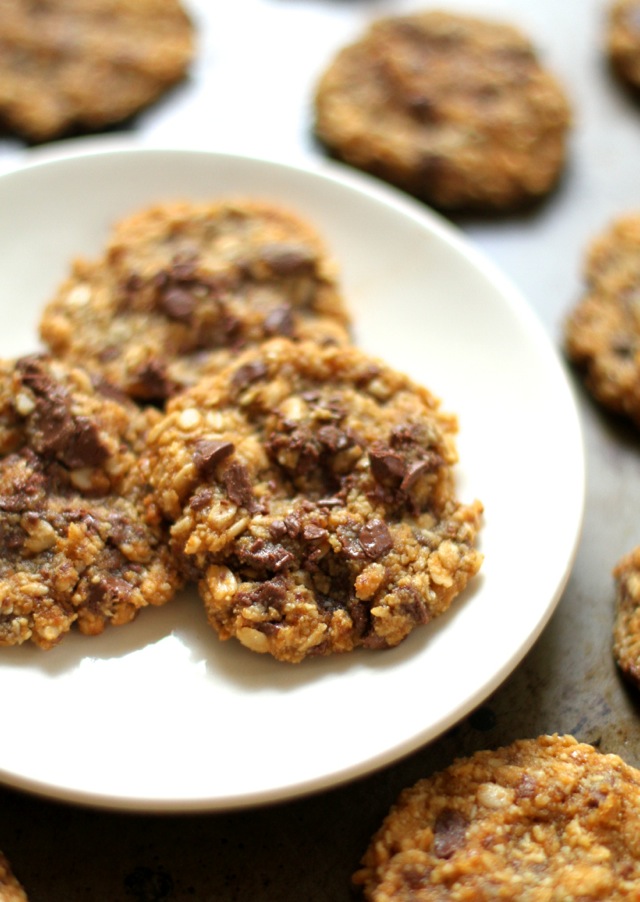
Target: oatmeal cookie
(623,40)
(626,628)
(541,819)
(80,541)
(183,287)
(81,65)
(311,491)
(602,332)
(10,889)
(455,110)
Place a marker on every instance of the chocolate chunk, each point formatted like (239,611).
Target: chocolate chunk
(238,485)
(287,259)
(449,833)
(153,383)
(351,547)
(178,303)
(376,539)
(201,499)
(85,448)
(334,439)
(265,555)
(250,372)
(279,321)
(387,466)
(313,533)
(418,469)
(208,454)
(269,594)
(107,590)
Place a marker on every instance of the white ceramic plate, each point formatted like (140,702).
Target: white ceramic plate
(160,714)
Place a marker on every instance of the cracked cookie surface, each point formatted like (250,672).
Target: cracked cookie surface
(311,492)
(602,331)
(81,65)
(541,819)
(183,287)
(455,110)
(80,542)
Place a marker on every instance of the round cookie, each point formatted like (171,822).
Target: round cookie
(80,541)
(623,40)
(602,332)
(183,287)
(541,819)
(453,109)
(81,65)
(311,491)
(10,889)
(626,628)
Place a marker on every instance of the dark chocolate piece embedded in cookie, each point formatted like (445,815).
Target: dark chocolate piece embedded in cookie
(602,332)
(184,287)
(546,818)
(623,40)
(311,492)
(82,65)
(10,888)
(455,110)
(80,541)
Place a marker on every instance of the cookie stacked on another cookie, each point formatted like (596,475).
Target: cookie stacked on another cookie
(311,493)
(183,287)
(455,110)
(82,65)
(547,818)
(81,542)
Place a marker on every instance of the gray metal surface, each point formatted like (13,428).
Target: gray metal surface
(250,92)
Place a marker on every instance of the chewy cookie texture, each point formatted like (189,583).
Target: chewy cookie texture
(453,109)
(542,819)
(311,494)
(82,65)
(602,332)
(80,543)
(183,287)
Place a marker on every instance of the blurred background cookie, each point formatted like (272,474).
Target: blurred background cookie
(454,109)
(623,40)
(81,65)
(626,628)
(602,332)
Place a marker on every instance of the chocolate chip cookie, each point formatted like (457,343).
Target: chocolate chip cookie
(546,818)
(626,629)
(311,492)
(81,65)
(182,287)
(453,109)
(602,332)
(81,542)
(10,889)
(623,40)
